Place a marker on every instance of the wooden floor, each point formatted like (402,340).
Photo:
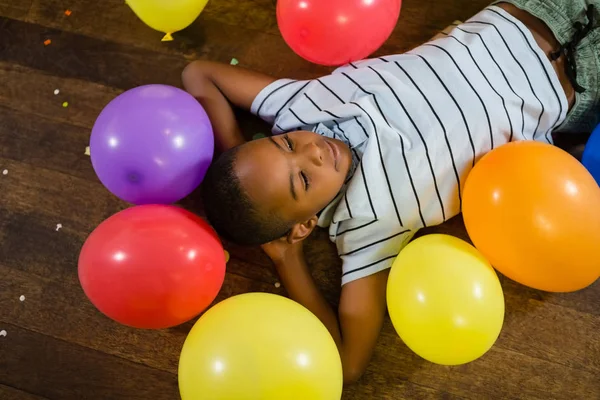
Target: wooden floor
(57,346)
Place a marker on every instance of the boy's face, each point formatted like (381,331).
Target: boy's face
(294,175)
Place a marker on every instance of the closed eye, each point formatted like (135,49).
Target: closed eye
(305,180)
(288,142)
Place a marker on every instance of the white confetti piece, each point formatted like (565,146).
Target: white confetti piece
(87,151)
(277,284)
(58,226)
(56,92)
(3,333)
(5,172)
(22,298)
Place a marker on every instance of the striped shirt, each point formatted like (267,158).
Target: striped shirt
(416,124)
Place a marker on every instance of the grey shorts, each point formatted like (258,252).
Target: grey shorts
(560,16)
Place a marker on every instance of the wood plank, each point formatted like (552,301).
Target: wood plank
(124,66)
(385,388)
(28,237)
(80,57)
(86,99)
(15,9)
(56,369)
(43,143)
(9,393)
(59,308)
(499,374)
(552,333)
(586,300)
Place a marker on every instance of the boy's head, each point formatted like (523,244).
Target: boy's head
(274,187)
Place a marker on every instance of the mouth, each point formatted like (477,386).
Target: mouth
(335,153)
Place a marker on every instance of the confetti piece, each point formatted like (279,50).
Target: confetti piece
(5,172)
(258,136)
(58,226)
(65,104)
(56,92)
(87,151)
(226,256)
(3,333)
(277,284)
(47,42)
(234,61)
(22,298)
(68,13)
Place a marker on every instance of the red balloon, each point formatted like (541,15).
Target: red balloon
(336,32)
(152,266)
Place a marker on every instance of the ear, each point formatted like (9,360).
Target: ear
(302,230)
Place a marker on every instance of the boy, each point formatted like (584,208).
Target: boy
(382,147)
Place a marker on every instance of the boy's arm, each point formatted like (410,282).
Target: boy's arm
(217,87)
(360,314)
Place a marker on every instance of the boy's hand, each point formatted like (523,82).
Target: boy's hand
(281,250)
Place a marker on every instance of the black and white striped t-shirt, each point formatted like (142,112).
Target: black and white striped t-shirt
(416,124)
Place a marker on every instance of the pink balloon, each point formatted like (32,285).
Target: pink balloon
(336,32)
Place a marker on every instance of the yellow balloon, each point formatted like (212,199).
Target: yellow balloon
(259,346)
(445,300)
(167,16)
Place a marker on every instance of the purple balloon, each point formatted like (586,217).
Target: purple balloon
(152,145)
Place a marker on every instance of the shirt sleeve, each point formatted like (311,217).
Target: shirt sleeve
(273,103)
(290,105)
(367,247)
(368,62)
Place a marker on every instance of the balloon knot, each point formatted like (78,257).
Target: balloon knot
(167,38)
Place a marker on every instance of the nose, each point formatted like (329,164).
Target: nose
(314,153)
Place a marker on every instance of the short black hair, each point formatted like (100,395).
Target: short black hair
(232,212)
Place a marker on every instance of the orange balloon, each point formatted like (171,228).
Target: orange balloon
(534,211)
